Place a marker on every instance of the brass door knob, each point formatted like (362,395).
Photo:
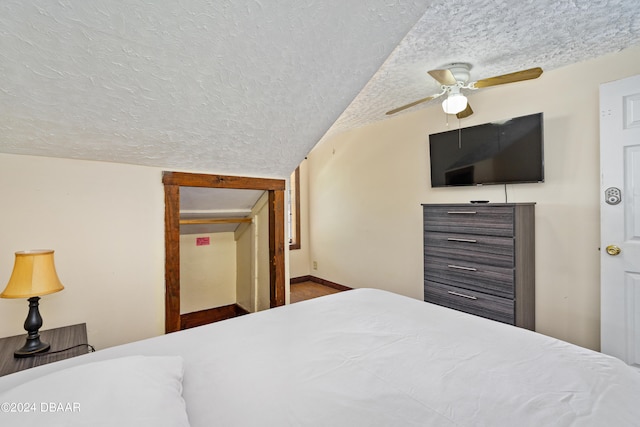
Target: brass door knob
(613,250)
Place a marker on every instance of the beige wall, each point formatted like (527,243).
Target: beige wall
(245,267)
(261,221)
(105,222)
(207,272)
(366,187)
(253,290)
(299,263)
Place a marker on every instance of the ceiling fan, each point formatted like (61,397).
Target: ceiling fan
(454,77)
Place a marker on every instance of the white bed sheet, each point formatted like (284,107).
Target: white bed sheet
(372,358)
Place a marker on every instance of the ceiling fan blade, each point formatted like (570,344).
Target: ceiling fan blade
(531,73)
(445,77)
(404,107)
(465,113)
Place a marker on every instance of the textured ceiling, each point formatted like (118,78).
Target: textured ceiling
(496,37)
(230,87)
(249,87)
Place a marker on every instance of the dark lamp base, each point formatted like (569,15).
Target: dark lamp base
(32,347)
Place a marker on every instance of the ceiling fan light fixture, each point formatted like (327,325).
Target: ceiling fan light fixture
(454,103)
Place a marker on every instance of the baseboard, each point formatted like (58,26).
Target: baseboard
(300,279)
(211,315)
(320,281)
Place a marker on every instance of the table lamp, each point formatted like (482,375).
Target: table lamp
(34,275)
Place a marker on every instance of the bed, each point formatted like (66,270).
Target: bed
(359,358)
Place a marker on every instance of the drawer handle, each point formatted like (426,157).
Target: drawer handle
(462,295)
(455,239)
(462,212)
(458,267)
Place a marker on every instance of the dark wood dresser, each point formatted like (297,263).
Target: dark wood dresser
(480,259)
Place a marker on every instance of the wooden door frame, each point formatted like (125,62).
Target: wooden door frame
(172,182)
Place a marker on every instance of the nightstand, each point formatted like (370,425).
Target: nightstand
(59,338)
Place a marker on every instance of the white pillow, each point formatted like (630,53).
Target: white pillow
(128,391)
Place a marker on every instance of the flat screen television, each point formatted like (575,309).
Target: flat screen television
(503,152)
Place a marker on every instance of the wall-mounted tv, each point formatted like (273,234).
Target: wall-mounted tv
(503,152)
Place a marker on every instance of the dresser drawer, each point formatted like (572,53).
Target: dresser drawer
(489,250)
(470,219)
(491,307)
(471,275)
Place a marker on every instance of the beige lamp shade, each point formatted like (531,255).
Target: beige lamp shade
(34,274)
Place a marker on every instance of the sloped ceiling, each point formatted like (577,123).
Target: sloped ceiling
(496,37)
(220,86)
(249,87)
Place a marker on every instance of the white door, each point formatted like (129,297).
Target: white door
(620,220)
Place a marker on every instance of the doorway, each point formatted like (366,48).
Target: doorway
(172,182)
(620,219)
